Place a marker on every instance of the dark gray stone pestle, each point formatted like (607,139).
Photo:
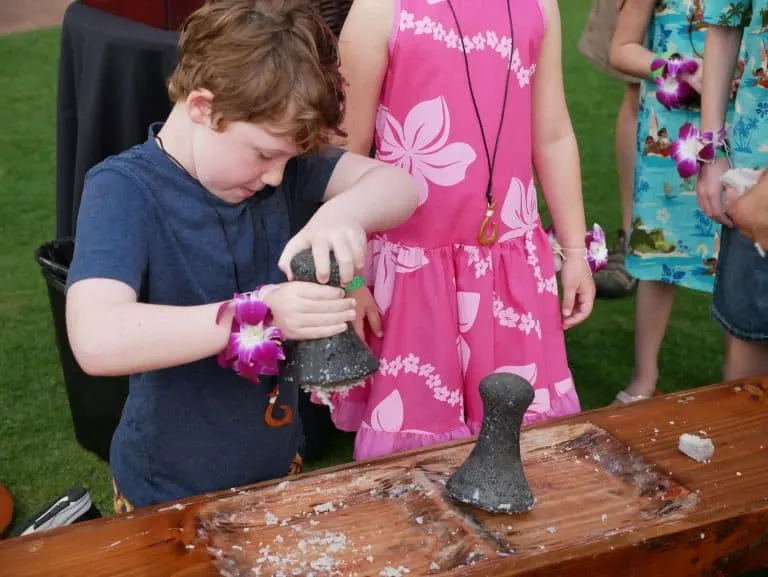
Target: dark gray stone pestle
(332,363)
(492,478)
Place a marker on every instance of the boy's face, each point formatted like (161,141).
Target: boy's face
(236,162)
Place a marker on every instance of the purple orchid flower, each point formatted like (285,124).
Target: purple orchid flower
(254,348)
(671,90)
(597,249)
(688,149)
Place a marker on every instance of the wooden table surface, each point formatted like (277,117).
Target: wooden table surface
(614,497)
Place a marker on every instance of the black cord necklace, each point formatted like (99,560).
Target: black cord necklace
(484,237)
(180,166)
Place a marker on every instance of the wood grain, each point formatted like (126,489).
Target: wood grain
(614,497)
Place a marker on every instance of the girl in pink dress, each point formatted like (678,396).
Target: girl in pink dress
(468,97)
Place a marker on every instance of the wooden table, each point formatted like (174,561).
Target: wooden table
(614,497)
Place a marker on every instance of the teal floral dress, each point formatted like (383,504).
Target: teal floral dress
(740,302)
(671,240)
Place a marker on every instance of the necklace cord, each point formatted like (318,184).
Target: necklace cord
(491,160)
(231,250)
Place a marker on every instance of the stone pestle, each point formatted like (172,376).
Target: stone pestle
(329,364)
(492,477)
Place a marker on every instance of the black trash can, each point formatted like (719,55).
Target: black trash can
(96,403)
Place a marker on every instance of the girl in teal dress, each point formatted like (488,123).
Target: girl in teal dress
(740,302)
(672,243)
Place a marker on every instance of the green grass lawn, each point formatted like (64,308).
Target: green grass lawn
(39,457)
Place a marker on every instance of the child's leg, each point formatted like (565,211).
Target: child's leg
(614,281)
(744,359)
(626,147)
(652,311)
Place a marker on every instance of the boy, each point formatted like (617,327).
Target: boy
(171,229)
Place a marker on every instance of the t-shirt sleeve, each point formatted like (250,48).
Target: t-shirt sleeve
(112,235)
(733,13)
(311,174)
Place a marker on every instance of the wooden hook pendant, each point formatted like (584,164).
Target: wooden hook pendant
(488,231)
(269,417)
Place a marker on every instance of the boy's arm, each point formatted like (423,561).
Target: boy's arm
(109,331)
(627,51)
(555,152)
(361,196)
(378,195)
(364,55)
(113,334)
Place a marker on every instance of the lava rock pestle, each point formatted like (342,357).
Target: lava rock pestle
(492,478)
(328,364)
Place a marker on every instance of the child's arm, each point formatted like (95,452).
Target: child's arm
(555,152)
(627,51)
(721,50)
(113,334)
(363,196)
(364,54)
(556,159)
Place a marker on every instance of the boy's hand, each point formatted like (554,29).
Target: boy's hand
(578,291)
(304,310)
(331,229)
(366,310)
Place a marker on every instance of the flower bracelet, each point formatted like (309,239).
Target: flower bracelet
(693,148)
(671,90)
(595,253)
(255,347)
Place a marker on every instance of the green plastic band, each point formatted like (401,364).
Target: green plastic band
(656,73)
(355,283)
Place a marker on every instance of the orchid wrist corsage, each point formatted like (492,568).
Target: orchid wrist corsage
(672,91)
(693,148)
(595,251)
(255,347)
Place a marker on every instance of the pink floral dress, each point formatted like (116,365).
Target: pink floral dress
(455,311)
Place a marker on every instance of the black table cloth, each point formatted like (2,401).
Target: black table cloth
(112,85)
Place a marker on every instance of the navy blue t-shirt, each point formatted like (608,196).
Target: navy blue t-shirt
(194,428)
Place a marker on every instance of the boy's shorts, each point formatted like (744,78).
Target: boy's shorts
(595,42)
(740,301)
(122,505)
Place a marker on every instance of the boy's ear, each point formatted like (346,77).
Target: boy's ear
(200,107)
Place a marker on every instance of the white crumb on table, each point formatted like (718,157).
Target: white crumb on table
(325,508)
(270,518)
(699,449)
(394,571)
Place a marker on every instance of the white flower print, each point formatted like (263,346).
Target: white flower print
(479,41)
(420,145)
(411,364)
(387,261)
(508,317)
(406,20)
